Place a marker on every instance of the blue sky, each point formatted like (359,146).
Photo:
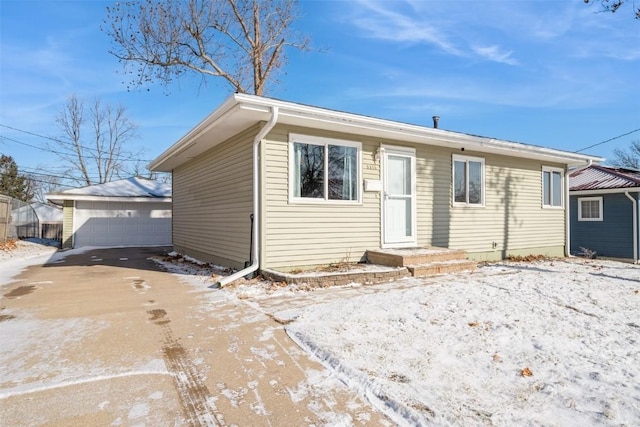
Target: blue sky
(545,72)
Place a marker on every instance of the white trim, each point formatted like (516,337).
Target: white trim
(604,191)
(590,199)
(241,111)
(89,198)
(560,171)
(325,142)
(467,159)
(411,153)
(73,226)
(635,205)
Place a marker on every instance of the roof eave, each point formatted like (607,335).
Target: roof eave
(597,191)
(61,197)
(162,162)
(253,109)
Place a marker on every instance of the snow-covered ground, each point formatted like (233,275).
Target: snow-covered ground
(554,342)
(26,252)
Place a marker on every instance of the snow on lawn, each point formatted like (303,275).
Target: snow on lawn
(543,343)
(14,260)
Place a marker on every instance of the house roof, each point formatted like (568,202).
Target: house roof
(598,177)
(132,189)
(241,111)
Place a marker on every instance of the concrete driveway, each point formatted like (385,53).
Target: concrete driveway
(107,338)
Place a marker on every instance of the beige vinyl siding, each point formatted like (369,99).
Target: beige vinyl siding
(306,234)
(212,202)
(67,224)
(511,222)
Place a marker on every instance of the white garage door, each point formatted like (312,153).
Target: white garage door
(122,224)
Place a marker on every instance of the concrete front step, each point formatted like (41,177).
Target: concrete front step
(413,256)
(441,267)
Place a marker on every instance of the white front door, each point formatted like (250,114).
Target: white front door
(398,198)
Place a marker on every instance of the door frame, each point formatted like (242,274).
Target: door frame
(411,241)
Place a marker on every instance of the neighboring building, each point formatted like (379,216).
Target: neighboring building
(36,220)
(127,212)
(329,185)
(604,211)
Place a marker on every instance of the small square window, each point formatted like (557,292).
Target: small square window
(590,209)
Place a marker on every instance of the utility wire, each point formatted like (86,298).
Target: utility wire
(125,159)
(610,139)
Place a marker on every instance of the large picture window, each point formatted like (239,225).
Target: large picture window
(324,169)
(590,209)
(468,181)
(552,187)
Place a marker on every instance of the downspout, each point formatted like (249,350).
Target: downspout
(635,226)
(255,250)
(567,186)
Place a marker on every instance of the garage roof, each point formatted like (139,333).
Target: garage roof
(135,189)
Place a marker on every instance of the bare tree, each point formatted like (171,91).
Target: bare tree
(140,169)
(44,183)
(628,158)
(93,144)
(613,6)
(241,41)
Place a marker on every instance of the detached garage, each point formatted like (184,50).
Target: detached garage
(129,212)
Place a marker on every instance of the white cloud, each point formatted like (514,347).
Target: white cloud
(494,53)
(382,20)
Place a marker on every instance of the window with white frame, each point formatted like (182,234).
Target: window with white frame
(468,181)
(552,187)
(590,209)
(324,169)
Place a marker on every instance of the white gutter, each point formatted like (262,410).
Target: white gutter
(567,210)
(635,226)
(255,250)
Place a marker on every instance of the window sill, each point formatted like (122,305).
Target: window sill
(315,202)
(467,206)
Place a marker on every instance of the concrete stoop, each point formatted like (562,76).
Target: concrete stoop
(383,265)
(423,262)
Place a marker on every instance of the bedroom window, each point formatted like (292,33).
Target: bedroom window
(552,187)
(590,209)
(324,169)
(468,181)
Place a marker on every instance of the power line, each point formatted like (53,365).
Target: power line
(91,149)
(608,140)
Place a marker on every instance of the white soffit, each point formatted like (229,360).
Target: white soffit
(241,111)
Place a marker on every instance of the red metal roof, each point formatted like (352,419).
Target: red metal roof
(597,177)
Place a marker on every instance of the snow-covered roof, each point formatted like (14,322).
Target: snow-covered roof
(44,212)
(598,177)
(48,213)
(134,188)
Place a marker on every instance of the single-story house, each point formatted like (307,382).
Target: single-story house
(604,206)
(284,186)
(128,212)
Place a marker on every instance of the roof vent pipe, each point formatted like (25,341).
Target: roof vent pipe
(435,121)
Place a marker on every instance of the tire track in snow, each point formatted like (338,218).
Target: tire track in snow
(195,398)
